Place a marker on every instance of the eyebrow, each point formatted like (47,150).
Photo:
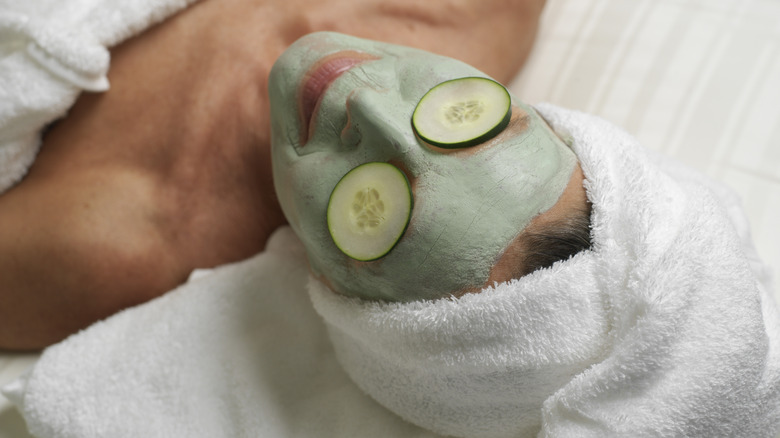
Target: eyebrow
(515,122)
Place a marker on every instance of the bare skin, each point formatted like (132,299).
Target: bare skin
(170,170)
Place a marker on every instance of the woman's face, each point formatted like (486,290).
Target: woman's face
(338,102)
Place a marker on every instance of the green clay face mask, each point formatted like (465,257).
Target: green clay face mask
(338,102)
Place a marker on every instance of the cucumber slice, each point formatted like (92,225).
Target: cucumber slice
(462,112)
(369,210)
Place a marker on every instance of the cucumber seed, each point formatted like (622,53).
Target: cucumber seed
(461,112)
(367,208)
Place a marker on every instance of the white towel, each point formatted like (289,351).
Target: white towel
(662,329)
(50,51)
(235,352)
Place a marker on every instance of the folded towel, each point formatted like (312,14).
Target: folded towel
(662,329)
(235,352)
(49,52)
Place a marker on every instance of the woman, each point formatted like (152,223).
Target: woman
(660,329)
(170,170)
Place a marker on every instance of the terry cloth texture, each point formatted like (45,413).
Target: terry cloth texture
(664,328)
(237,352)
(51,50)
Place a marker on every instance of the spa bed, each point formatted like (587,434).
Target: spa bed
(695,80)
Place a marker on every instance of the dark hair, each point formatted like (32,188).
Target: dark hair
(556,240)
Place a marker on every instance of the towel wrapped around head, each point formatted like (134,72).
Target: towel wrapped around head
(663,328)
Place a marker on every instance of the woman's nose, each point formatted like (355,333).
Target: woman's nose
(378,123)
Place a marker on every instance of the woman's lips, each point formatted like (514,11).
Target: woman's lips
(317,80)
